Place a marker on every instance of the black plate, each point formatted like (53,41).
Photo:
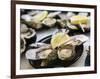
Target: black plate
(58,63)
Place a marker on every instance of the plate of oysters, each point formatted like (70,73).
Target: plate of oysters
(53,38)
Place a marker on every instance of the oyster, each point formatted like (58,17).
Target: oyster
(49,22)
(34,20)
(33,53)
(42,56)
(66,52)
(29,35)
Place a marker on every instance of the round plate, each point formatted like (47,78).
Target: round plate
(58,62)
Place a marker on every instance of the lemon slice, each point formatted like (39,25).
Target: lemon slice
(40,16)
(78,19)
(58,39)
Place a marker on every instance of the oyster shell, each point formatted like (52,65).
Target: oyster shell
(66,51)
(42,56)
(33,53)
(29,35)
(35,21)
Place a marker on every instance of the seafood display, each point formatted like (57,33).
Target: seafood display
(39,19)
(61,48)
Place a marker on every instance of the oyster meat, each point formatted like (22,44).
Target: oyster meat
(49,22)
(66,52)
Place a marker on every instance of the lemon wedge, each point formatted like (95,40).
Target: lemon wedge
(58,39)
(78,19)
(40,16)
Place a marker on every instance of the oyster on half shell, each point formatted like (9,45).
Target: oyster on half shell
(66,52)
(42,56)
(28,34)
